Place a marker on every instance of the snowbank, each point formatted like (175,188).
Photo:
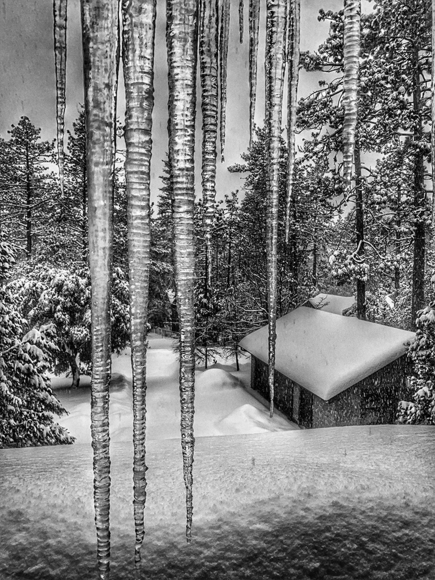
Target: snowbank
(341,503)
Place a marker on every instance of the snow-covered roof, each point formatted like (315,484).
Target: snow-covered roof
(328,353)
(331,303)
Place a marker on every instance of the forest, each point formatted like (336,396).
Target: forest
(337,197)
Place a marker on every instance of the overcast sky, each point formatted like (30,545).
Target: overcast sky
(27,81)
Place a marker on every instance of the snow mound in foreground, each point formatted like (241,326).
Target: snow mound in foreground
(339,503)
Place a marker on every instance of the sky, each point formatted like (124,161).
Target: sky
(27,80)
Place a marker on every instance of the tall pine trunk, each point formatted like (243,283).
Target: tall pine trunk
(138,62)
(99,26)
(29,202)
(359,226)
(418,299)
(182,40)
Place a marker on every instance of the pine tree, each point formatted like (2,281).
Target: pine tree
(27,403)
(26,188)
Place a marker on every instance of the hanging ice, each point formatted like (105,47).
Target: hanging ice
(351,48)
(293,78)
(181,39)
(60,9)
(254,28)
(224,36)
(275,71)
(100,39)
(138,64)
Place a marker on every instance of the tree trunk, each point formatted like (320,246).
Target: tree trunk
(359,227)
(99,26)
(418,299)
(29,201)
(75,372)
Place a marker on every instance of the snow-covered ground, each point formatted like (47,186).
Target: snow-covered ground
(330,504)
(222,405)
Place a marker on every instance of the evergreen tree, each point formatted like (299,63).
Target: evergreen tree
(62,297)
(26,187)
(27,403)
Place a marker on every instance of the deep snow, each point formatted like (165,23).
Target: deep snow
(331,504)
(222,404)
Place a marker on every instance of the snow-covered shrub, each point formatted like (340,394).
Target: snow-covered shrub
(27,403)
(62,297)
(422,354)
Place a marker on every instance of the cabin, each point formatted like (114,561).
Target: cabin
(332,370)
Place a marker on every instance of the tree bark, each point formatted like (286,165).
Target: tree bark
(75,372)
(29,201)
(418,298)
(359,227)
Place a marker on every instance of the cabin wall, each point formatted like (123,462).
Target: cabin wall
(342,410)
(366,403)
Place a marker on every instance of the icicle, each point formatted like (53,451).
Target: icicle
(254,28)
(181,39)
(99,29)
(275,69)
(351,48)
(60,9)
(224,36)
(293,78)
(115,102)
(138,61)
(208,53)
(241,20)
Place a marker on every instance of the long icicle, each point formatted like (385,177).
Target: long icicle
(294,34)
(208,55)
(182,40)
(60,9)
(139,19)
(254,29)
(224,37)
(99,30)
(351,48)
(241,20)
(275,69)
(115,103)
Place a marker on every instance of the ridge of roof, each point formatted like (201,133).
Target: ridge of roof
(327,353)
